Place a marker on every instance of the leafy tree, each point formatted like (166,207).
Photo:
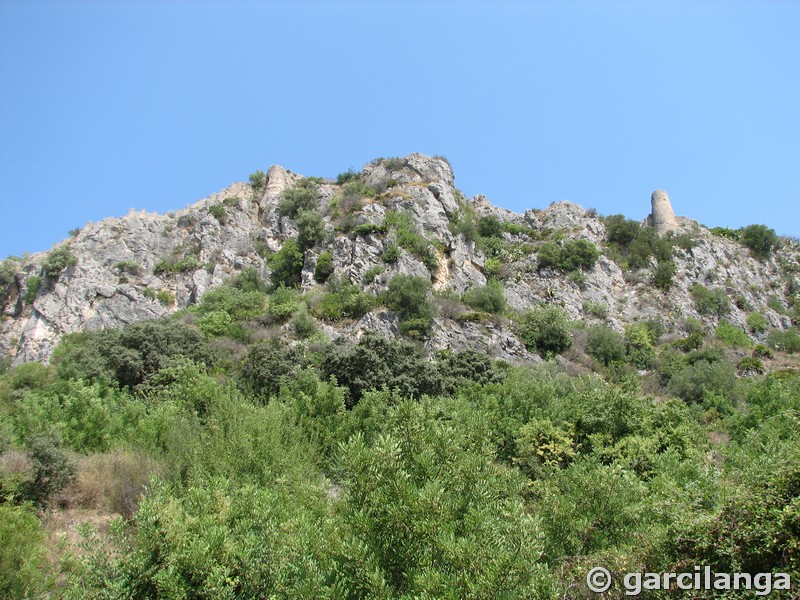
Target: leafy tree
(249,281)
(490,226)
(488,298)
(664,274)
(311,228)
(52,468)
(710,301)
(760,239)
(57,260)
(287,265)
(23,554)
(258,182)
(578,254)
(545,329)
(605,344)
(375,363)
(409,297)
(268,366)
(324,267)
(302,196)
(621,231)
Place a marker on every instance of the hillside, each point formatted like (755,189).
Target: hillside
(397,216)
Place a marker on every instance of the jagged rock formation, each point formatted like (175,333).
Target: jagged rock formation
(662,218)
(145,265)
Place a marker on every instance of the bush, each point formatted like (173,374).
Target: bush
(488,298)
(283,303)
(391,255)
(490,226)
(757,323)
(172,265)
(702,377)
(572,256)
(732,335)
(23,554)
(664,274)
(545,329)
(595,309)
(750,364)
(347,176)
(344,301)
(714,302)
(311,228)
(324,267)
(287,265)
(621,231)
(605,344)
(32,284)
(52,468)
(258,182)
(640,345)
(786,341)
(760,239)
(303,196)
(218,212)
(268,366)
(57,260)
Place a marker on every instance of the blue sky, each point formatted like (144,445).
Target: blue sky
(107,106)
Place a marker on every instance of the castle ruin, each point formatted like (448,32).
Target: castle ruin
(661,218)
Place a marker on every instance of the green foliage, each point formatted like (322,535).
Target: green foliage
(372,273)
(490,226)
(730,334)
(347,176)
(323,267)
(391,254)
(311,228)
(750,364)
(621,231)
(545,329)
(369,228)
(343,300)
(287,265)
(23,554)
(732,234)
(569,257)
(595,309)
(248,280)
(664,274)
(243,300)
(408,238)
(409,297)
(303,324)
(640,345)
(757,323)
(302,196)
(466,225)
(129,267)
(283,303)
(32,284)
(57,260)
(711,302)
(787,340)
(375,363)
(268,366)
(605,344)
(258,182)
(8,269)
(703,377)
(488,298)
(165,297)
(52,468)
(218,212)
(172,265)
(760,239)
(129,355)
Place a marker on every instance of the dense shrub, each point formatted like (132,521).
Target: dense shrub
(343,300)
(545,329)
(258,182)
(32,284)
(760,239)
(174,265)
(287,265)
(786,341)
(757,323)
(711,302)
(621,231)
(664,274)
(605,344)
(23,564)
(702,377)
(57,260)
(730,334)
(490,226)
(323,267)
(571,256)
(409,297)
(488,298)
(219,213)
(347,176)
(302,196)
(640,345)
(268,366)
(376,363)
(52,468)
(311,228)
(132,354)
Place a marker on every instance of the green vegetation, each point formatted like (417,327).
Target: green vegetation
(760,239)
(409,239)
(258,182)
(488,298)
(410,297)
(32,283)
(57,260)
(343,300)
(323,267)
(605,344)
(219,213)
(311,228)
(710,302)
(732,335)
(301,197)
(347,176)
(545,329)
(571,256)
(287,265)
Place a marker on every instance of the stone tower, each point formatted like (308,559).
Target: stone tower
(661,218)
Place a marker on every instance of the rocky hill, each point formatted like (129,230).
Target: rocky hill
(396,216)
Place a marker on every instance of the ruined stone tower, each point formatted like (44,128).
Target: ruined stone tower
(661,218)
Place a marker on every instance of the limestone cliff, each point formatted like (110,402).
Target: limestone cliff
(145,265)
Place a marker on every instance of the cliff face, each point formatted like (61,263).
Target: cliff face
(145,265)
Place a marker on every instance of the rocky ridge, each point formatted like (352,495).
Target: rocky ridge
(145,265)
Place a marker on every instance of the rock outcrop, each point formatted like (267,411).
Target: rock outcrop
(146,265)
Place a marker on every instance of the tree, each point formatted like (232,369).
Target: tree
(605,344)
(545,329)
(287,265)
(760,239)
(311,228)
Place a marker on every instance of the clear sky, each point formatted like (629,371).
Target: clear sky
(107,106)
